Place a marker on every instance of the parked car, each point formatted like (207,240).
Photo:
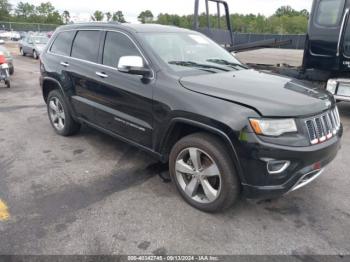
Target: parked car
(33,45)
(9,59)
(10,35)
(23,34)
(225,129)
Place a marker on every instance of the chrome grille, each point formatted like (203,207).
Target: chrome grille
(323,127)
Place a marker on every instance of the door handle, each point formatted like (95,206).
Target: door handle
(342,30)
(101,74)
(65,64)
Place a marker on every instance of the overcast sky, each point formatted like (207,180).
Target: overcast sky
(131,8)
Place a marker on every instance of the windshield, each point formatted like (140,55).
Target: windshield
(40,40)
(191,51)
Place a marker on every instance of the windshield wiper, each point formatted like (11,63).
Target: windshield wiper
(197,65)
(226,63)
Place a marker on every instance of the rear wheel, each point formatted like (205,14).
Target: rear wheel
(8,84)
(22,52)
(60,115)
(204,173)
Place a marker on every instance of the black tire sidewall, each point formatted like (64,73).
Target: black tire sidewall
(230,186)
(70,126)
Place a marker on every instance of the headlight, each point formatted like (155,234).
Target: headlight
(332,86)
(273,127)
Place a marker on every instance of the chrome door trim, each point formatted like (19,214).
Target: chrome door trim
(93,63)
(100,74)
(65,64)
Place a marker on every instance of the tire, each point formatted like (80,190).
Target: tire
(35,55)
(212,151)
(8,84)
(22,52)
(61,117)
(12,70)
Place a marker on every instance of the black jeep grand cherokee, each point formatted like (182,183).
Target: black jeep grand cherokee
(224,129)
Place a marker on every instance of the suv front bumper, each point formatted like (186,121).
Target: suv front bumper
(306,164)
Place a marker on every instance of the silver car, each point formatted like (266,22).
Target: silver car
(33,45)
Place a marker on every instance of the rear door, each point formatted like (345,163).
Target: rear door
(28,46)
(326,29)
(82,68)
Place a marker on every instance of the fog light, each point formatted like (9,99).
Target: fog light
(275,167)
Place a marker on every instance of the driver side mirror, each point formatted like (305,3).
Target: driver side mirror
(133,65)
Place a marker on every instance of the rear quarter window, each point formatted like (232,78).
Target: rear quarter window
(63,43)
(86,45)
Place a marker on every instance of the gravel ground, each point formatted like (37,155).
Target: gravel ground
(91,194)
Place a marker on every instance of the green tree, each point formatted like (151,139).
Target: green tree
(108,16)
(5,10)
(146,17)
(305,13)
(118,17)
(54,18)
(286,11)
(45,9)
(66,17)
(98,16)
(24,10)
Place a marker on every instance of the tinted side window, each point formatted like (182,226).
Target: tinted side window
(63,43)
(329,12)
(86,45)
(116,46)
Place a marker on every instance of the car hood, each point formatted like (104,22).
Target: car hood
(269,94)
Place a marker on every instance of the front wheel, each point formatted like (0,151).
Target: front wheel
(60,115)
(8,84)
(203,172)
(22,52)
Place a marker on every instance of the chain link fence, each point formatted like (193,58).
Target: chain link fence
(27,27)
(297,41)
(223,37)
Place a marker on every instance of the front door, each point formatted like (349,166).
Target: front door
(124,100)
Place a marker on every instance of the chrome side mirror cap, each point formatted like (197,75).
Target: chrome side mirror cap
(134,65)
(130,61)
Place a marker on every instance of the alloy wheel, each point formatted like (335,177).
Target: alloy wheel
(57,115)
(198,175)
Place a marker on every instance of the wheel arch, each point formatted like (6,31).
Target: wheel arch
(49,84)
(181,127)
